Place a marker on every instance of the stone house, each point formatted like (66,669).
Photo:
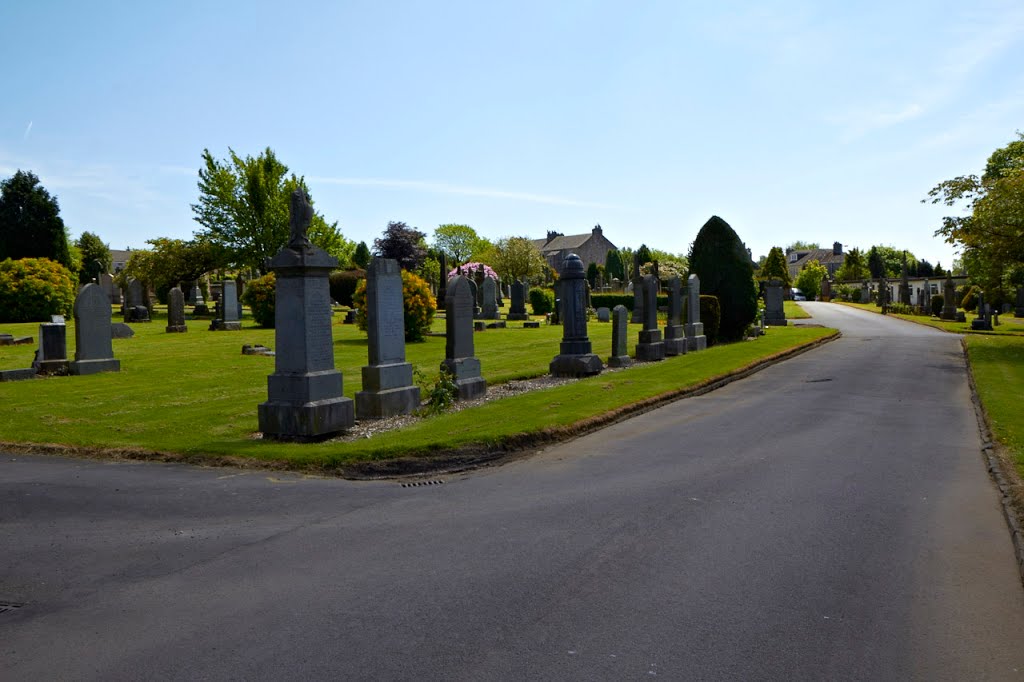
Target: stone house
(832,259)
(591,247)
(118,259)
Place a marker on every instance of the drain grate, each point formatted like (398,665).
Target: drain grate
(417,484)
(9,606)
(816,381)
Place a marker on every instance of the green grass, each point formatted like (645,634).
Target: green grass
(1009,325)
(793,311)
(195,394)
(997,363)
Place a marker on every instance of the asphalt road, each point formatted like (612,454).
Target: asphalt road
(827,518)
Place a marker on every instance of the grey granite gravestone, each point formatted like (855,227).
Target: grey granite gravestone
(111,291)
(442,285)
(675,332)
(477,311)
(1018,310)
(695,339)
(490,300)
(586,285)
(119,330)
(774,313)
(603,314)
(52,354)
(651,346)
(904,284)
(826,289)
(94,351)
(499,294)
(883,295)
(575,357)
(176,312)
(387,381)
(227,305)
(983,321)
(305,399)
(479,276)
(459,360)
(638,302)
(517,310)
(200,307)
(135,303)
(620,330)
(865,292)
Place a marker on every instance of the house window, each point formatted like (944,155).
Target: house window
(794,257)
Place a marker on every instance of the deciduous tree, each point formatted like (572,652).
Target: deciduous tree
(459,242)
(809,279)
(403,243)
(96,258)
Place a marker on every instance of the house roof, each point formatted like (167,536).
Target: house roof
(572,241)
(823,256)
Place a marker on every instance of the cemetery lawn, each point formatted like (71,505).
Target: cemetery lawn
(997,363)
(193,396)
(793,311)
(1008,324)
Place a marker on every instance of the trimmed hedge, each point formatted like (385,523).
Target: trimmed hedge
(611,300)
(711,317)
(32,289)
(938,302)
(260,295)
(343,285)
(542,301)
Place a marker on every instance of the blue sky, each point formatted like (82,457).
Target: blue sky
(814,121)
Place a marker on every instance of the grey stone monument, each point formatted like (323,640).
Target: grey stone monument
(197,300)
(603,314)
(477,311)
(305,400)
(459,360)
(620,331)
(176,312)
(227,305)
(650,347)
(675,333)
(113,294)
(575,357)
(638,296)
(94,350)
(904,284)
(517,310)
(883,295)
(983,321)
(490,299)
(52,356)
(387,381)
(865,292)
(774,313)
(135,304)
(695,339)
(442,285)
(1018,310)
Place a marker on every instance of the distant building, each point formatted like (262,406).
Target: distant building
(118,259)
(831,259)
(591,247)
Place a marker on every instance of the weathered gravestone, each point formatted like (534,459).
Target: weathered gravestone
(774,313)
(135,308)
(94,351)
(52,354)
(517,311)
(227,308)
(387,381)
(474,289)
(675,333)
(176,312)
(904,285)
(490,299)
(197,300)
(119,330)
(865,292)
(575,357)
(638,301)
(884,295)
(983,321)
(110,290)
(651,346)
(459,360)
(604,315)
(695,338)
(826,289)
(442,284)
(1018,310)
(620,333)
(305,399)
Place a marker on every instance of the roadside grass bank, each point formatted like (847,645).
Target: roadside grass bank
(193,396)
(997,364)
(1008,324)
(793,311)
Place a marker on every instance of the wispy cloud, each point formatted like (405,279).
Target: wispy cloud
(462,190)
(28,130)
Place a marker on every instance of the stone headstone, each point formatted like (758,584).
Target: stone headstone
(1018,310)
(52,354)
(948,299)
(983,321)
(477,310)
(604,315)
(675,332)
(1006,308)
(884,295)
(586,287)
(135,303)
(620,334)
(479,276)
(459,360)
(442,284)
(638,302)
(774,313)
(111,291)
(119,330)
(176,311)
(961,316)
(651,345)
(305,398)
(387,381)
(227,308)
(904,285)
(865,292)
(695,338)
(575,357)
(196,299)
(517,310)
(490,300)
(94,351)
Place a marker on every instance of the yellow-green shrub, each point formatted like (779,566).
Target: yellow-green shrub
(259,295)
(32,289)
(418,302)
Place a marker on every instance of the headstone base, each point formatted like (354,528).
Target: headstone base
(961,316)
(651,347)
(500,324)
(531,325)
(305,423)
(696,343)
(1018,312)
(201,310)
(17,374)
(83,367)
(981,325)
(772,321)
(388,391)
(948,314)
(620,361)
(575,365)
(176,329)
(52,367)
(222,326)
(466,372)
(675,340)
(517,316)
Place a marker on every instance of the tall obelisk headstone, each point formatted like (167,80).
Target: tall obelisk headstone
(387,381)
(675,333)
(517,310)
(459,360)
(305,400)
(620,330)
(576,357)
(695,339)
(651,346)
(638,294)
(442,285)
(774,311)
(176,311)
(948,298)
(490,299)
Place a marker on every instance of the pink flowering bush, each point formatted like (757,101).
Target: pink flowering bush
(471,268)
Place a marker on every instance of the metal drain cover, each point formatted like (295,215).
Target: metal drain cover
(416,484)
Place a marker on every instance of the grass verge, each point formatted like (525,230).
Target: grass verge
(1009,325)
(793,311)
(997,364)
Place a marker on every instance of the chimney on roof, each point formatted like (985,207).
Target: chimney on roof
(837,249)
(552,234)
(597,230)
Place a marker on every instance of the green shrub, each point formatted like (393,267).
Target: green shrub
(719,258)
(970,300)
(938,302)
(32,289)
(542,300)
(710,317)
(343,285)
(611,300)
(260,296)
(419,305)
